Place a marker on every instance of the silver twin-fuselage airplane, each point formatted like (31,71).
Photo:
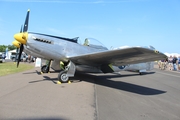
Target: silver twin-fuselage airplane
(91,56)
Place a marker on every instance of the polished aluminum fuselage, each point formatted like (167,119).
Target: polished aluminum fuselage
(57,49)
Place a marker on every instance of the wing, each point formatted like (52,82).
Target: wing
(119,57)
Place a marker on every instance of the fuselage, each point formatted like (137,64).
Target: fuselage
(59,49)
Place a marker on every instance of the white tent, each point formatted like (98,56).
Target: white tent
(9,53)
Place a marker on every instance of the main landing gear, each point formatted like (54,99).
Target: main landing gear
(69,71)
(45,68)
(63,76)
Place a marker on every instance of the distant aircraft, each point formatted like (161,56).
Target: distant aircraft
(89,57)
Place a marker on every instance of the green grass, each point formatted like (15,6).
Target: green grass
(11,67)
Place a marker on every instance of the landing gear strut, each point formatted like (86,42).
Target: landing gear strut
(45,68)
(69,71)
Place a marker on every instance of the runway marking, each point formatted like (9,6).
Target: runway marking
(168,74)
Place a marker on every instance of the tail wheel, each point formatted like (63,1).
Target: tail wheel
(44,69)
(62,77)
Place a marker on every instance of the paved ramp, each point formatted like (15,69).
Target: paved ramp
(129,96)
(155,96)
(28,95)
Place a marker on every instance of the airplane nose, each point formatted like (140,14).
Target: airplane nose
(21,37)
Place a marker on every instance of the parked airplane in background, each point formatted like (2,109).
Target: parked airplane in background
(88,57)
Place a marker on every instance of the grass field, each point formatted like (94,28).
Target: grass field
(10,68)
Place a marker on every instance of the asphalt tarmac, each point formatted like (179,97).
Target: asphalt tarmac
(129,96)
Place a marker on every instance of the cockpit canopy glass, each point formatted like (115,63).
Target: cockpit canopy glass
(91,42)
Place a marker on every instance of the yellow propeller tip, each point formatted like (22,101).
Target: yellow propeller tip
(28,10)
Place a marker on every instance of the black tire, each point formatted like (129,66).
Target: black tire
(44,70)
(62,77)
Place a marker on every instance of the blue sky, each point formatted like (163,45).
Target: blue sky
(113,22)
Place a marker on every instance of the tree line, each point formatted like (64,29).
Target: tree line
(3,47)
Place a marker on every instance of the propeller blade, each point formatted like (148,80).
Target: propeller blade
(17,52)
(20,52)
(17,49)
(22,37)
(21,29)
(26,22)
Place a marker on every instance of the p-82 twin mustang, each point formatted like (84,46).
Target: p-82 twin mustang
(83,57)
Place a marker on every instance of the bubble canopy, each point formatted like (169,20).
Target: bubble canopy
(91,42)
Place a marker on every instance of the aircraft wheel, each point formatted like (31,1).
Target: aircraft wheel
(44,70)
(62,77)
(140,73)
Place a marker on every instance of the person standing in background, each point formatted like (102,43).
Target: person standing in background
(179,63)
(175,63)
(170,64)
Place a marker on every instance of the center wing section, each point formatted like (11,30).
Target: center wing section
(119,57)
